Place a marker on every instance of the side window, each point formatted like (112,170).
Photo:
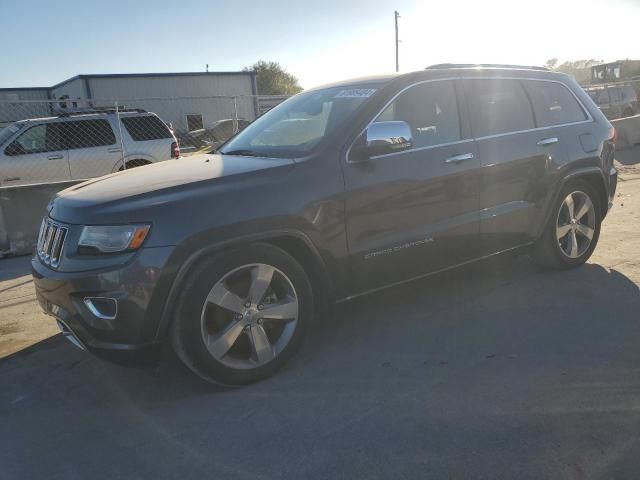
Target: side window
(194,122)
(88,133)
(147,127)
(614,94)
(38,139)
(498,106)
(431,111)
(553,103)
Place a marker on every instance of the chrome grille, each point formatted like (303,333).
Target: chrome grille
(51,242)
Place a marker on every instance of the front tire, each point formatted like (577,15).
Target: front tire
(572,233)
(243,314)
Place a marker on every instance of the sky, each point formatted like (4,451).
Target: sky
(46,42)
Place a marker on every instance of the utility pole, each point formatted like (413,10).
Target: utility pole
(396,15)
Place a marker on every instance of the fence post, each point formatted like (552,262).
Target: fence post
(235,115)
(124,163)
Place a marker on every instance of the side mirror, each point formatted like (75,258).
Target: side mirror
(14,149)
(381,138)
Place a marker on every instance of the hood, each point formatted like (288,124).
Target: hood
(162,181)
(167,174)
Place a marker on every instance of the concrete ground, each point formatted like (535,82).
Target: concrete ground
(496,370)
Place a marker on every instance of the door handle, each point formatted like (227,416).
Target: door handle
(459,158)
(11,179)
(114,150)
(548,141)
(55,157)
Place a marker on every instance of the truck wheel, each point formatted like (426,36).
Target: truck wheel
(573,230)
(243,314)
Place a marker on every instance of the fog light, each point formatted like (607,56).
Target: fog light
(104,308)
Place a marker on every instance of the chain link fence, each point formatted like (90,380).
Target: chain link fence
(616,99)
(46,141)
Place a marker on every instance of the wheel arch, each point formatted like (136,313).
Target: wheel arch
(592,175)
(295,243)
(130,157)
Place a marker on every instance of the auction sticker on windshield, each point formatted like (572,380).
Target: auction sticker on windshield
(356,93)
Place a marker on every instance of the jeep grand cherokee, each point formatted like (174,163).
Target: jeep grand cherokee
(337,192)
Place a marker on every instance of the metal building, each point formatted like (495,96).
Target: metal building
(188,100)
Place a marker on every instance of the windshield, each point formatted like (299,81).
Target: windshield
(8,132)
(295,127)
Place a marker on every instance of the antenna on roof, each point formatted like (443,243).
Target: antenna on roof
(207,68)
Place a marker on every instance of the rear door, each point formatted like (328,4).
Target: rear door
(93,147)
(35,156)
(416,211)
(514,157)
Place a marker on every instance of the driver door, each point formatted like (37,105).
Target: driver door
(413,212)
(35,156)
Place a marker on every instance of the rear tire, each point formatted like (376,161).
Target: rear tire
(242,315)
(573,229)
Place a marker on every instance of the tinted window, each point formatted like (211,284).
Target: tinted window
(38,139)
(87,133)
(498,106)
(629,94)
(148,127)
(194,122)
(600,97)
(553,103)
(431,111)
(614,94)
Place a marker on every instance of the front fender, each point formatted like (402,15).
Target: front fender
(186,263)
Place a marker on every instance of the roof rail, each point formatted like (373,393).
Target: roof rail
(483,65)
(101,110)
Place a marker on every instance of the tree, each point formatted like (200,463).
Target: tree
(579,69)
(273,79)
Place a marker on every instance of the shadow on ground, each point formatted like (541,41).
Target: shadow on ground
(495,370)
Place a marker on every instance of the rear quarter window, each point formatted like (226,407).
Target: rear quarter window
(144,128)
(553,103)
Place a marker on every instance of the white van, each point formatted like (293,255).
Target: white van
(82,145)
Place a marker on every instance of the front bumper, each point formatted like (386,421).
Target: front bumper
(140,288)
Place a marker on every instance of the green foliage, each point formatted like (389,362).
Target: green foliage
(579,69)
(272,79)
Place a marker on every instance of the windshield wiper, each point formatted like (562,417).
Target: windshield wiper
(244,153)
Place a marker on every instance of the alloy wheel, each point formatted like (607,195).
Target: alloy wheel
(249,316)
(575,224)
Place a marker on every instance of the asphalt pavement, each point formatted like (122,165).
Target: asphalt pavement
(495,370)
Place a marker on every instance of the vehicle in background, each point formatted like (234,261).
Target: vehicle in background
(214,136)
(338,192)
(615,101)
(82,145)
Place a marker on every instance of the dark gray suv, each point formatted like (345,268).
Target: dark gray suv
(337,192)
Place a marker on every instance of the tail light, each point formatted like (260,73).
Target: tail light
(175,150)
(613,135)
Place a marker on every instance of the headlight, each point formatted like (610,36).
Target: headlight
(116,238)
